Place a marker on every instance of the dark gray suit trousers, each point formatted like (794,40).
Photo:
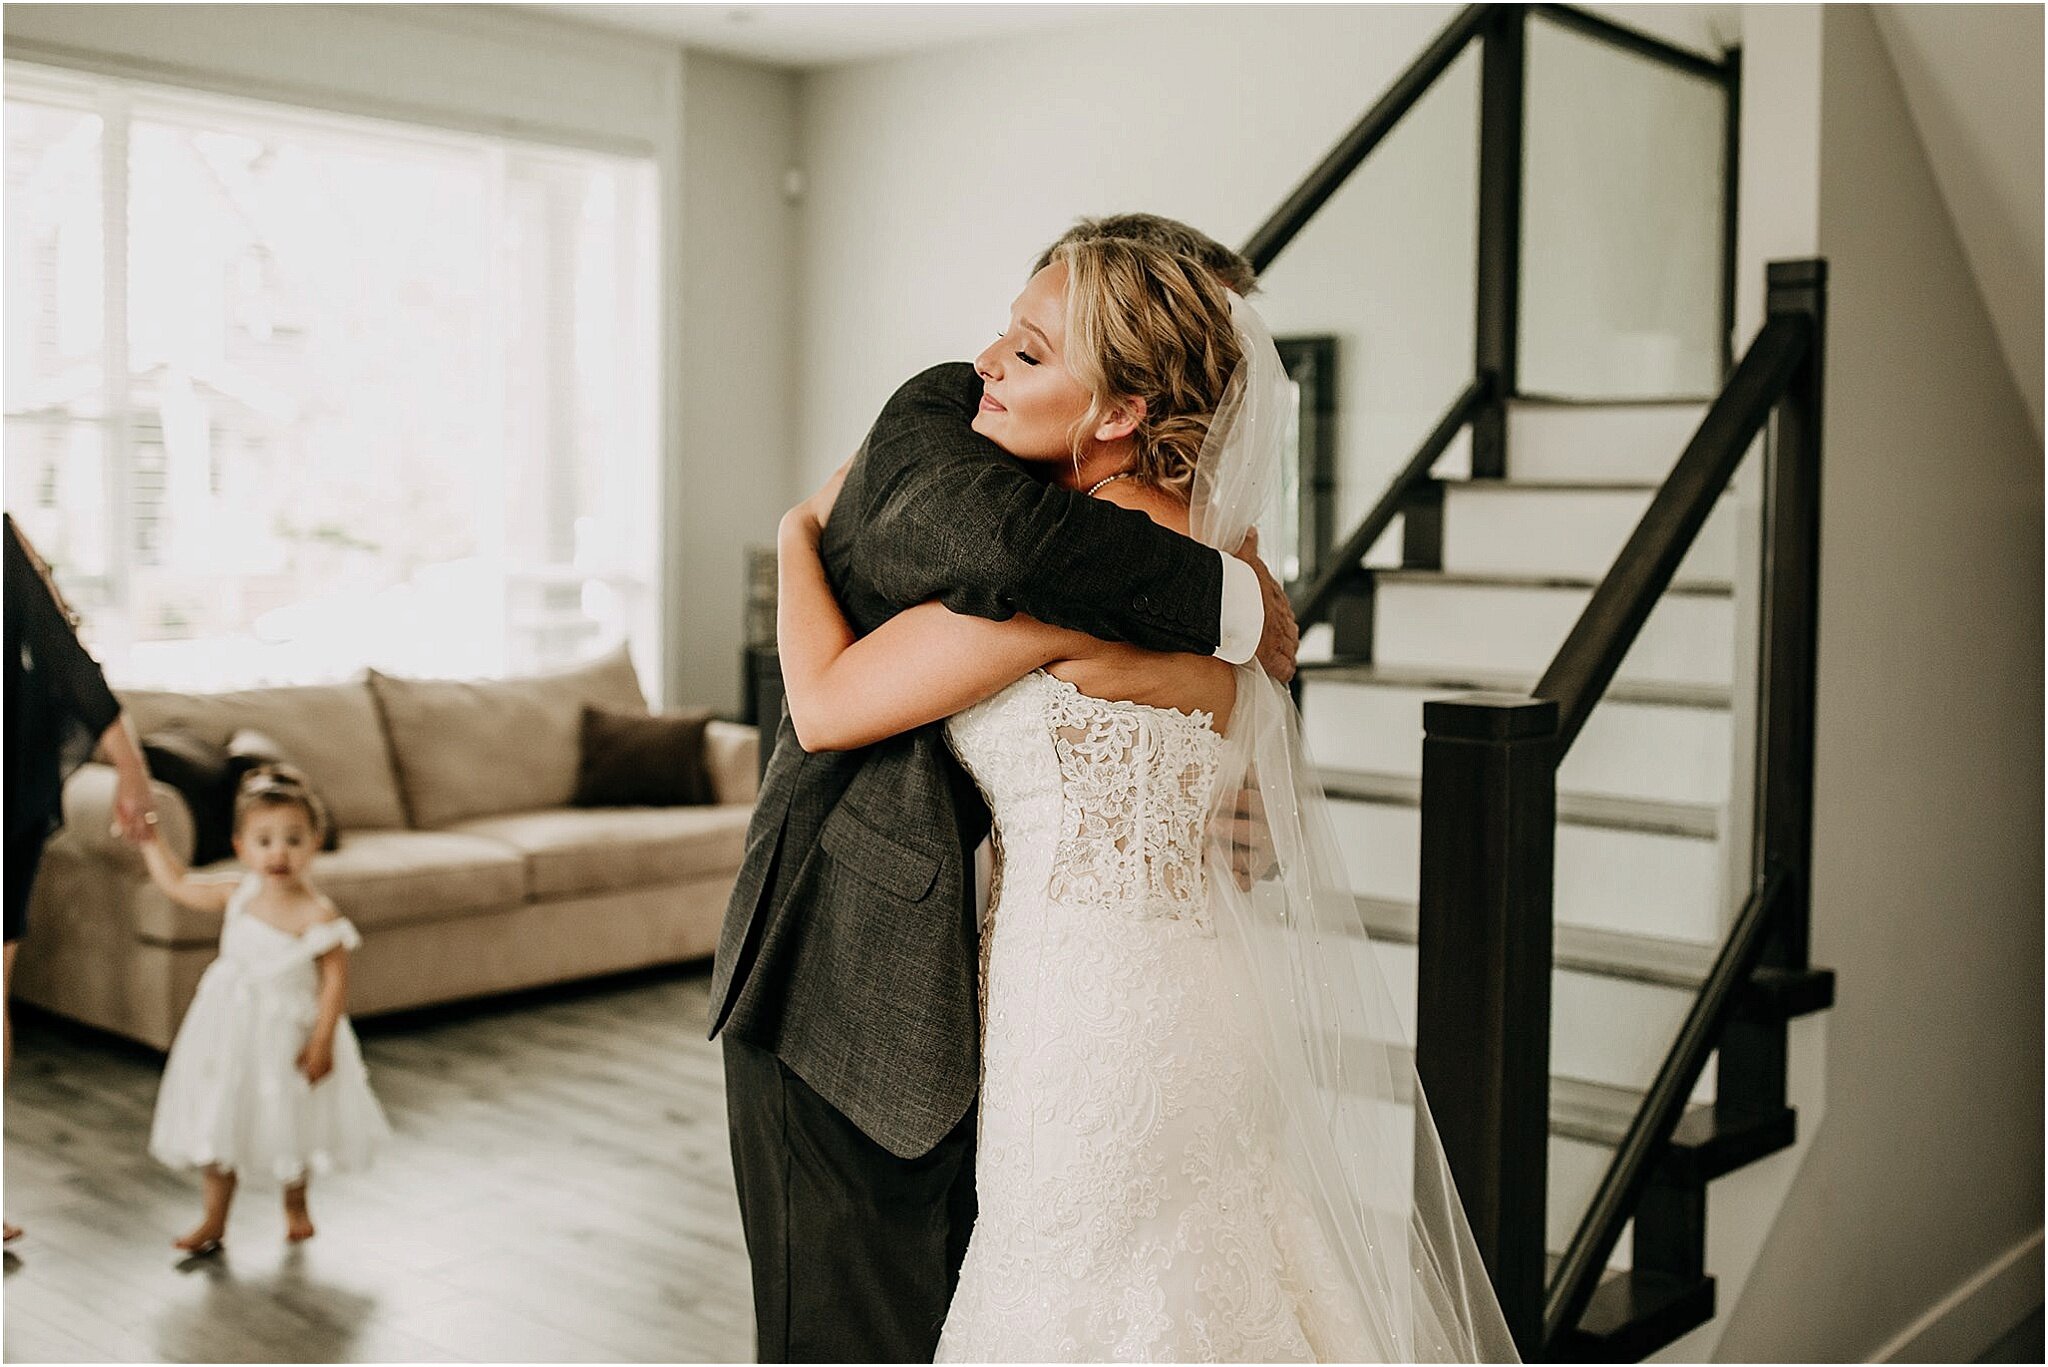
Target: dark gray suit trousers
(834,1280)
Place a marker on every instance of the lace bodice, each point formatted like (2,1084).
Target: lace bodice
(1115,793)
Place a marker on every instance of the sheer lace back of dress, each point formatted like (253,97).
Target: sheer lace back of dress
(1136,783)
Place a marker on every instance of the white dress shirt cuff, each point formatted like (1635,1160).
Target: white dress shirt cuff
(1244,612)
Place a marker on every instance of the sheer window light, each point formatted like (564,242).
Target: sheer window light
(290,394)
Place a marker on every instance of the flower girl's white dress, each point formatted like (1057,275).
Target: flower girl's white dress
(232,1092)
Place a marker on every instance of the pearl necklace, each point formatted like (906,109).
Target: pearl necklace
(1121,474)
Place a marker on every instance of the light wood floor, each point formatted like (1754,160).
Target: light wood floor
(559,1190)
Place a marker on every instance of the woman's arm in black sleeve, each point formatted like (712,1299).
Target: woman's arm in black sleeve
(949,516)
(68,673)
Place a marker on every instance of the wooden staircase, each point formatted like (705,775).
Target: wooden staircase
(1530,721)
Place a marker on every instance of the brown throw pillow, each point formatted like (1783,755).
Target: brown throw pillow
(634,760)
(247,749)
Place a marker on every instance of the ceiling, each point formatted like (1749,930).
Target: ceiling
(822,35)
(804,36)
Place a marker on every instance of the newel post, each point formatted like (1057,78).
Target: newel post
(1482,1037)
(1754,1063)
(1791,610)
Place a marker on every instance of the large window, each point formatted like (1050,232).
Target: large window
(287,395)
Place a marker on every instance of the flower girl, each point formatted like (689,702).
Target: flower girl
(265,1079)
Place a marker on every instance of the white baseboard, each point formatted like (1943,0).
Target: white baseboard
(1970,1318)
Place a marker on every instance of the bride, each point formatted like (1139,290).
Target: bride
(1198,1136)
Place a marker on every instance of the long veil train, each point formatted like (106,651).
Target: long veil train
(1353,1130)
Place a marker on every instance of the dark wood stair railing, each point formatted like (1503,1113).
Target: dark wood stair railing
(1489,792)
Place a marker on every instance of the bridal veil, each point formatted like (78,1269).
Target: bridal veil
(1353,1129)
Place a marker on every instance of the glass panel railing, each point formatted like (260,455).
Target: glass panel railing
(1623,224)
(1374,302)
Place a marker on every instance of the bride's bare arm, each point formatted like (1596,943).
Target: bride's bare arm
(921,665)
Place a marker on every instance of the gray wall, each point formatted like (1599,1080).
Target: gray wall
(1926,1172)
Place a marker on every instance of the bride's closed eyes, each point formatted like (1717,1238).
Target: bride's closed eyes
(1025,357)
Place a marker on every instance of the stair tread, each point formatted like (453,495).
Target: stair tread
(1509,484)
(1680,588)
(1772,993)
(1634,1312)
(1570,401)
(1694,820)
(1706,696)
(1584,949)
(1706,1143)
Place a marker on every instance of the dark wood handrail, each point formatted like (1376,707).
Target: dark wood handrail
(1578,1273)
(1590,655)
(1315,190)
(1635,41)
(1343,562)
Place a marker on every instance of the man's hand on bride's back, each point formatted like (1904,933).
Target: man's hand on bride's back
(1282,638)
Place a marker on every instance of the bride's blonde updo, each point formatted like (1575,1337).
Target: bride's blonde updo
(1145,323)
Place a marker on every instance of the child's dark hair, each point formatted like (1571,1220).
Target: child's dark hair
(279,785)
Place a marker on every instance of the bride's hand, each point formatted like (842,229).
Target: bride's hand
(1281,640)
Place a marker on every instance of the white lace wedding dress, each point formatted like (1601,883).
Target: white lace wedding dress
(1128,1209)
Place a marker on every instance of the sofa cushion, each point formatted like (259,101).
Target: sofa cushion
(331,731)
(381,878)
(577,851)
(377,878)
(470,748)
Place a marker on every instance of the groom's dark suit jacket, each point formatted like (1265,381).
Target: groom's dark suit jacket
(849,946)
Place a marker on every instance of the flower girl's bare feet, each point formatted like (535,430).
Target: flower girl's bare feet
(11,1232)
(205,1239)
(298,1223)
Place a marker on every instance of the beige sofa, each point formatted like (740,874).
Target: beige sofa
(461,860)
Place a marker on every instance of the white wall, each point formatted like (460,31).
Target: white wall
(721,133)
(1921,1192)
(937,178)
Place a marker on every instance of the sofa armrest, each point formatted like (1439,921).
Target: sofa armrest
(89,816)
(732,754)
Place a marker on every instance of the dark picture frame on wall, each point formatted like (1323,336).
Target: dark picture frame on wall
(1306,512)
